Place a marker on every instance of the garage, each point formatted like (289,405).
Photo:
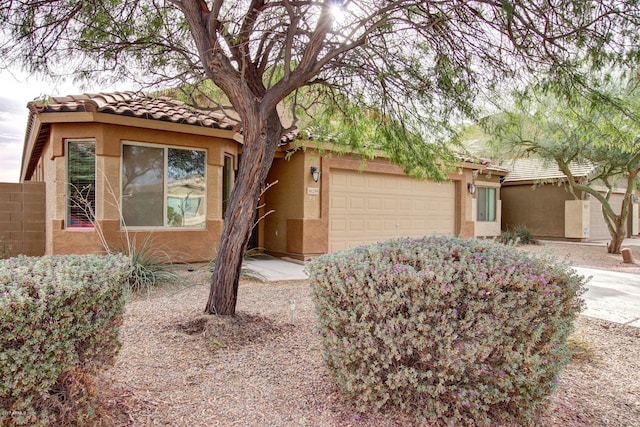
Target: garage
(597,226)
(367,207)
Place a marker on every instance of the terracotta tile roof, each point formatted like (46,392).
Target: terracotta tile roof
(131,104)
(534,169)
(136,104)
(480,161)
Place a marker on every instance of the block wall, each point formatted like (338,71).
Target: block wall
(22,219)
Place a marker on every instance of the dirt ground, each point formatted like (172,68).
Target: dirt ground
(264,367)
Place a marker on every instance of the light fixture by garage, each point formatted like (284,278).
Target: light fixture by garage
(315,173)
(471,188)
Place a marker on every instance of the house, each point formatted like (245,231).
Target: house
(535,195)
(124,166)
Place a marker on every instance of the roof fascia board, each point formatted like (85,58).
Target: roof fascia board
(34,131)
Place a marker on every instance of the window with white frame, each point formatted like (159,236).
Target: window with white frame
(486,198)
(163,186)
(81,183)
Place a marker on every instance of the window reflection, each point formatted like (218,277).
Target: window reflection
(142,185)
(163,186)
(186,188)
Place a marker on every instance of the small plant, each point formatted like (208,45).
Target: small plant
(5,249)
(150,266)
(508,238)
(525,237)
(518,235)
(581,350)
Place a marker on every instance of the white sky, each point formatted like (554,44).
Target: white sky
(17,90)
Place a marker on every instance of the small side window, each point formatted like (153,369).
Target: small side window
(81,184)
(486,198)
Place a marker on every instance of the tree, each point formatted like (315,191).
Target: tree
(417,63)
(600,127)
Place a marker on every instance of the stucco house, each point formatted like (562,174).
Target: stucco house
(151,167)
(535,195)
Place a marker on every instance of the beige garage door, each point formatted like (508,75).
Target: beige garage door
(597,226)
(370,207)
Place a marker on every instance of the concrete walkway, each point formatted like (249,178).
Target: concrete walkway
(271,269)
(610,295)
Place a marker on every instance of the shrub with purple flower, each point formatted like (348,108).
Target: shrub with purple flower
(457,332)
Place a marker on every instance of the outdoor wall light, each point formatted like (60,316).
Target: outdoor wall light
(471,188)
(315,173)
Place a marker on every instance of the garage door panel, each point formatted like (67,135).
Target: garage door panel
(370,207)
(374,203)
(357,182)
(338,226)
(357,203)
(339,202)
(390,204)
(405,204)
(390,224)
(420,204)
(356,225)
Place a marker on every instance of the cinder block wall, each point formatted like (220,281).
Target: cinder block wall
(22,218)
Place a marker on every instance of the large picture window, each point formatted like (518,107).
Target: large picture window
(486,204)
(163,186)
(81,183)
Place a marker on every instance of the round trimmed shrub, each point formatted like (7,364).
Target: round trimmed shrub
(456,332)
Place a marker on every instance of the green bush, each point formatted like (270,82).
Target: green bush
(508,238)
(456,332)
(520,234)
(59,316)
(525,236)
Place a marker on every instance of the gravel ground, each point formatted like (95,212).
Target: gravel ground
(178,367)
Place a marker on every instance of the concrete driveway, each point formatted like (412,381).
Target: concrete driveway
(612,296)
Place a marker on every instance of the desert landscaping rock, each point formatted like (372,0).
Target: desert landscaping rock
(180,368)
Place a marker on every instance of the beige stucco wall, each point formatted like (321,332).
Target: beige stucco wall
(576,219)
(285,198)
(182,245)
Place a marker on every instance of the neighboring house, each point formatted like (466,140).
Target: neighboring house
(139,167)
(535,195)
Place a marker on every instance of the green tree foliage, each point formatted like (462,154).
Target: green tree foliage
(599,126)
(417,63)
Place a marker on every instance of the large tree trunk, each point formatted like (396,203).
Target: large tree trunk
(617,227)
(615,245)
(261,138)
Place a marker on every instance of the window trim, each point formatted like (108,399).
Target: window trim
(67,212)
(165,189)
